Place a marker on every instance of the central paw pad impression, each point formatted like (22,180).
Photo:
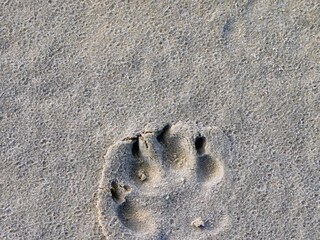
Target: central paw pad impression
(159,185)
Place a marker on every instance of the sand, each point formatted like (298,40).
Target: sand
(233,86)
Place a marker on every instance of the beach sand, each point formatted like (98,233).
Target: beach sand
(159,119)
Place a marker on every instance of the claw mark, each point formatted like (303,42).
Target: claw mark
(163,133)
(200,144)
(135,148)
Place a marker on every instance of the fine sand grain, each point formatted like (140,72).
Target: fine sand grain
(159,119)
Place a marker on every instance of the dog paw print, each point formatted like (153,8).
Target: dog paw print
(159,184)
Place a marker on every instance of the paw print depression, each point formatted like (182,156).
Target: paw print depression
(158,184)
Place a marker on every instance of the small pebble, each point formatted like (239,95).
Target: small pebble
(198,223)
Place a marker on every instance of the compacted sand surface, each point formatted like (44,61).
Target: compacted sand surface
(159,119)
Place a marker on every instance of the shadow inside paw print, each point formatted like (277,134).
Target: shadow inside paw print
(162,175)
